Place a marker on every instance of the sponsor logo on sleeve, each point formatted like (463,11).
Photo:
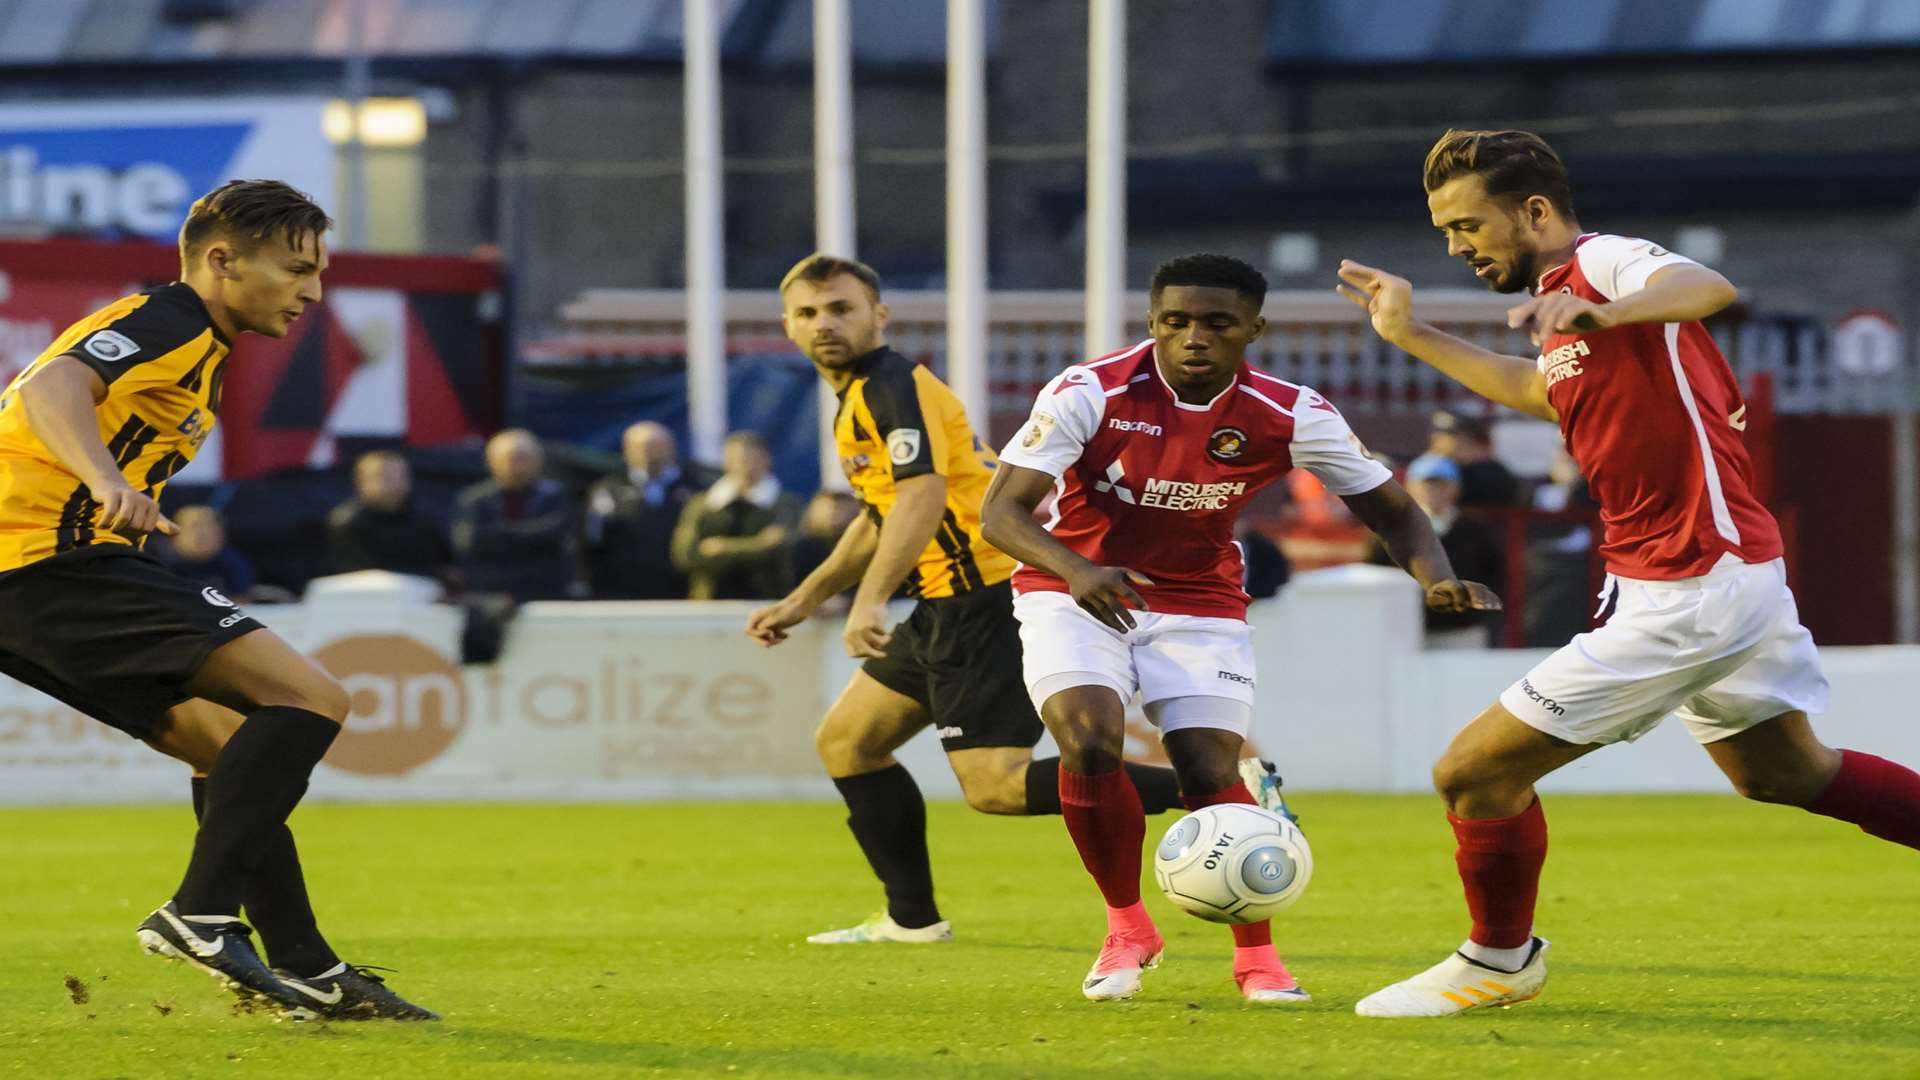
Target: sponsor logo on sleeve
(903,445)
(109,345)
(1037,431)
(215,597)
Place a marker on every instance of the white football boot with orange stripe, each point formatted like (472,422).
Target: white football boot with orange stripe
(1457,984)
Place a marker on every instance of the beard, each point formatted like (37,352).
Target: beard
(1520,276)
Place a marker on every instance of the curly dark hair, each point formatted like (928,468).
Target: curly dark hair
(1209,271)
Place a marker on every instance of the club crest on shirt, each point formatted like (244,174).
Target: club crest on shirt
(1226,443)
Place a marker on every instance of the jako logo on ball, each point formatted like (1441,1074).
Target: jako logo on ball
(408,703)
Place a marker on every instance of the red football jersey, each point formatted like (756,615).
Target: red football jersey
(1653,415)
(1147,481)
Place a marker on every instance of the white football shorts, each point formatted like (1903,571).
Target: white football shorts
(1190,670)
(1725,650)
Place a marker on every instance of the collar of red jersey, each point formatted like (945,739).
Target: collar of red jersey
(1177,403)
(1541,282)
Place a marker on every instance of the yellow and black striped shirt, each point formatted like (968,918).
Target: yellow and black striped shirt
(896,421)
(163,361)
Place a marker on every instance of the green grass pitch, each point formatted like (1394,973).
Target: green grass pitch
(1694,937)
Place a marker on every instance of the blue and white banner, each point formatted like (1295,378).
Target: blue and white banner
(131,168)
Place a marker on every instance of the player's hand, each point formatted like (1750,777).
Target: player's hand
(1106,592)
(1558,313)
(131,514)
(767,626)
(1387,299)
(866,634)
(1456,595)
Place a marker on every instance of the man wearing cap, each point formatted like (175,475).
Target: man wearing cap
(1435,482)
(1466,440)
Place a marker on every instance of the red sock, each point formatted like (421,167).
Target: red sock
(1107,824)
(1250,934)
(1880,796)
(1500,860)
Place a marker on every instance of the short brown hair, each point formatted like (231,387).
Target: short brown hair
(249,211)
(1514,166)
(821,266)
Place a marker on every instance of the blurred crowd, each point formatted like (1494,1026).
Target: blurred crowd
(661,527)
(658,529)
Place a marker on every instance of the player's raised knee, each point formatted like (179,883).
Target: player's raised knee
(326,696)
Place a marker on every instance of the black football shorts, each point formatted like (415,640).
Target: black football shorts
(111,632)
(959,657)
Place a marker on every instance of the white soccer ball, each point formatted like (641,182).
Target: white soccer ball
(1233,863)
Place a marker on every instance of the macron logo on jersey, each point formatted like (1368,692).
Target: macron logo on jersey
(1140,426)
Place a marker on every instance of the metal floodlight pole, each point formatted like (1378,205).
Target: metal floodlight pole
(1106,176)
(833,203)
(1905,438)
(967,208)
(706,238)
(357,86)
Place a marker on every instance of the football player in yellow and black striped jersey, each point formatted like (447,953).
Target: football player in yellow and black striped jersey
(90,433)
(920,471)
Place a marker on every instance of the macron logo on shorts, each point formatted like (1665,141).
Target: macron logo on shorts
(1234,677)
(1541,699)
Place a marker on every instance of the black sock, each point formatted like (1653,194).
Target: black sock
(255,782)
(276,901)
(889,819)
(1159,789)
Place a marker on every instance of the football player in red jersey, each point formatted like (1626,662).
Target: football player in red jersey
(1704,624)
(1134,582)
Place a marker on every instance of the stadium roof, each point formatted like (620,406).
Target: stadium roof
(1413,31)
(47,32)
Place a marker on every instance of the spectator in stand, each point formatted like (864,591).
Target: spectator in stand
(825,521)
(735,540)
(1472,546)
(631,516)
(1466,440)
(1266,568)
(1559,560)
(200,552)
(513,534)
(380,528)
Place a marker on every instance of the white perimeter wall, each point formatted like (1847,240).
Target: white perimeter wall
(670,701)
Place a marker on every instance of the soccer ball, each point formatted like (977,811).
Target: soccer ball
(1233,863)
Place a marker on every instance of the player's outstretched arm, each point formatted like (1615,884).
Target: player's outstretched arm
(1388,300)
(1407,534)
(59,400)
(1006,520)
(843,567)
